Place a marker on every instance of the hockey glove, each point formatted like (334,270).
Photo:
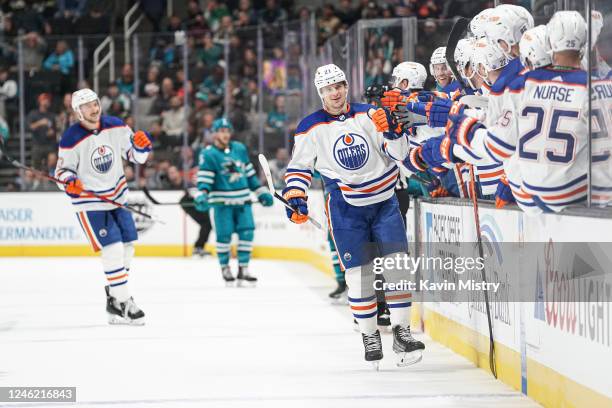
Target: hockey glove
(201,202)
(436,152)
(414,162)
(430,96)
(142,141)
(460,128)
(74,187)
(264,197)
(503,195)
(386,123)
(438,111)
(393,98)
(297,200)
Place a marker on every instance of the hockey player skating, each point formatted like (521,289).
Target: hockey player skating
(225,179)
(355,148)
(89,159)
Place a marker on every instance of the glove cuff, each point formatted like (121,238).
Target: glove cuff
(289,193)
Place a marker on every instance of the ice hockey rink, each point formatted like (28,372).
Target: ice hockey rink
(279,345)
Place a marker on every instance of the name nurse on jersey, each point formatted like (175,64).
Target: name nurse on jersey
(102,159)
(554,92)
(351,151)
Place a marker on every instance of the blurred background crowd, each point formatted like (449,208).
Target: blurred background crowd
(228,71)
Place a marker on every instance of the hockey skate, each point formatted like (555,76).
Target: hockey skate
(226,273)
(123,313)
(244,278)
(409,350)
(339,295)
(373,348)
(383,318)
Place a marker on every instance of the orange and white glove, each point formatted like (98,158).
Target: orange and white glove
(297,199)
(142,141)
(74,187)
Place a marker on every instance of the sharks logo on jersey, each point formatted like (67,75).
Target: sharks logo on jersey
(102,158)
(235,169)
(351,151)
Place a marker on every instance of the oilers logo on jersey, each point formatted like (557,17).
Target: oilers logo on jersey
(102,158)
(351,151)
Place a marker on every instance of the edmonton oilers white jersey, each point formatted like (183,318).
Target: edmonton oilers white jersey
(349,153)
(547,131)
(601,111)
(95,158)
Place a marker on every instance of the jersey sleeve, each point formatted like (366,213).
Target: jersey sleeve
(300,167)
(206,171)
(67,161)
(128,150)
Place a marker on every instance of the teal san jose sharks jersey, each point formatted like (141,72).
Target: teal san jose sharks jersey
(227,175)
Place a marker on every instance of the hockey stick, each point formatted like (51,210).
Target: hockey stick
(457,33)
(4,155)
(266,169)
(484,276)
(152,199)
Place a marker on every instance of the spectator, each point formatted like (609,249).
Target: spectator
(62,59)
(154,10)
(163,53)
(214,14)
(429,9)
(115,103)
(205,134)
(40,123)
(130,177)
(173,119)
(272,13)
(8,94)
(126,82)
(72,7)
(27,17)
(277,117)
(151,86)
(250,64)
(347,13)
(245,13)
(66,117)
(328,23)
(275,71)
(278,167)
(4,130)
(214,86)
(294,79)
(162,102)
(171,179)
(210,53)
(226,28)
(51,163)
(174,24)
(33,51)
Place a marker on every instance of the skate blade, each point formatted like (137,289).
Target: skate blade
(241,283)
(341,301)
(376,365)
(407,359)
(120,321)
(229,284)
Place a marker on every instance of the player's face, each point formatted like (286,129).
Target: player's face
(223,136)
(442,74)
(334,97)
(91,111)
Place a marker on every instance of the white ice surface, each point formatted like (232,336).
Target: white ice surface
(279,345)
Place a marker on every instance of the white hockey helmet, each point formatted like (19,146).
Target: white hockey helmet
(437,57)
(477,23)
(567,30)
(535,48)
(413,72)
(328,75)
(507,23)
(463,56)
(487,58)
(81,97)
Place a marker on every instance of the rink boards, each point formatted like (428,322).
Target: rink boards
(538,351)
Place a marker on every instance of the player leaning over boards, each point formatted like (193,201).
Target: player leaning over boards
(225,179)
(89,158)
(355,148)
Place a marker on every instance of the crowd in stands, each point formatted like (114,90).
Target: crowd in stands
(50,60)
